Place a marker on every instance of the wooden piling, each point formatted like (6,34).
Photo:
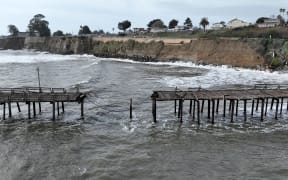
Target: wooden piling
(257,104)
(58,109)
(213,111)
(237,105)
(29,110)
(175,107)
(277,106)
(209,108)
(224,106)
(154,113)
(131,108)
(252,108)
(53,111)
(217,106)
(281,105)
(194,109)
(18,106)
(232,102)
(181,110)
(34,109)
(9,109)
(198,112)
(202,107)
(245,110)
(190,107)
(40,108)
(262,109)
(4,111)
(272,103)
(63,107)
(266,106)
(82,108)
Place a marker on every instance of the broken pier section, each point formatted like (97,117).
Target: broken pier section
(36,95)
(260,97)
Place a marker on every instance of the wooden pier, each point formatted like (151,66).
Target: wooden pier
(259,98)
(35,95)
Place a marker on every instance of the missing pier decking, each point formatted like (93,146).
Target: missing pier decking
(260,97)
(33,95)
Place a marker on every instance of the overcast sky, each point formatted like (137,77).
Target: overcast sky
(68,15)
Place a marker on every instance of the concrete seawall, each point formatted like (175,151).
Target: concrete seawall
(249,53)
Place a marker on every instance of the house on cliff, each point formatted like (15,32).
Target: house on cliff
(236,23)
(269,22)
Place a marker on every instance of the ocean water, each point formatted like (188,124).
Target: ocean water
(106,144)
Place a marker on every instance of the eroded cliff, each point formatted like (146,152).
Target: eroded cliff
(250,53)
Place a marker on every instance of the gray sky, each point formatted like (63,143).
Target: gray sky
(68,15)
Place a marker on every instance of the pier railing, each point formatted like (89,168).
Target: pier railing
(259,96)
(40,95)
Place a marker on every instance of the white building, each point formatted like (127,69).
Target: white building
(157,30)
(217,26)
(269,22)
(235,23)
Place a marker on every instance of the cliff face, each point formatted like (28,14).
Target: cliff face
(59,45)
(12,43)
(252,53)
(217,51)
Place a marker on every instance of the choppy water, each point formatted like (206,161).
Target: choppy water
(106,144)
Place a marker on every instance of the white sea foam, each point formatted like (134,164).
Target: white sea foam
(30,56)
(216,76)
(221,76)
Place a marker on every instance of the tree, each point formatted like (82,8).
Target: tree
(282,11)
(38,24)
(13,30)
(58,33)
(261,20)
(204,22)
(156,23)
(172,24)
(188,23)
(281,19)
(223,23)
(124,25)
(84,30)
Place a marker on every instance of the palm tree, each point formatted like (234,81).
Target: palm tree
(204,22)
(282,11)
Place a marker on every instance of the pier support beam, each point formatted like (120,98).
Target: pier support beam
(266,106)
(232,103)
(34,109)
(18,106)
(190,107)
(213,111)
(9,109)
(194,109)
(262,109)
(245,110)
(252,109)
(63,107)
(224,106)
(209,108)
(29,110)
(53,111)
(198,111)
(40,109)
(277,107)
(175,107)
(4,111)
(154,108)
(58,109)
